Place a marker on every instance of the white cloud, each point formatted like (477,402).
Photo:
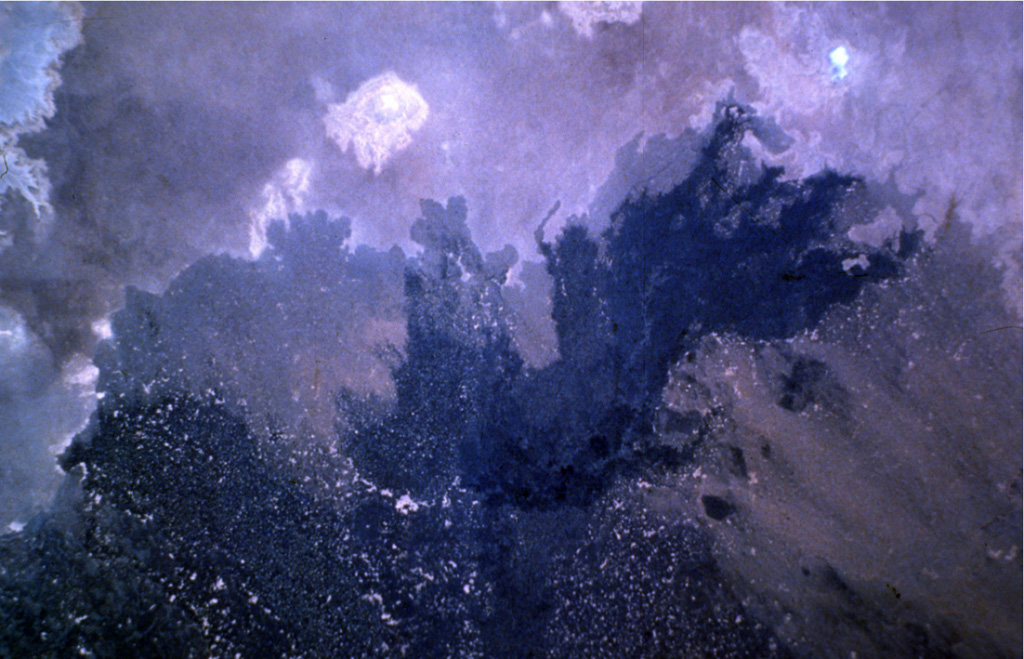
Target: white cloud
(377,120)
(286,193)
(33,36)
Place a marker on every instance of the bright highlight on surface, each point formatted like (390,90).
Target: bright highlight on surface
(377,119)
(586,16)
(839,57)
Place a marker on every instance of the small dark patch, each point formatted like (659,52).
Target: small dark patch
(766,451)
(802,386)
(717,508)
(599,446)
(832,580)
(737,463)
(926,643)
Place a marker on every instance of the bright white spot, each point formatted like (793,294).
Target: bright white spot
(406,505)
(13,336)
(16,526)
(586,16)
(377,120)
(102,329)
(85,376)
(286,193)
(839,57)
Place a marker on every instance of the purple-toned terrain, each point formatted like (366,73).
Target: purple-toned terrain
(510,330)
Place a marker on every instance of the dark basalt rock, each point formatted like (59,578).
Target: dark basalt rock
(717,508)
